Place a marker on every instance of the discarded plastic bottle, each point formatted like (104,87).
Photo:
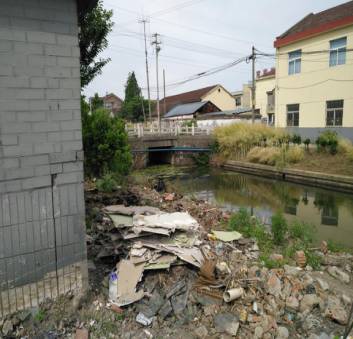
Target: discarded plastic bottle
(113,286)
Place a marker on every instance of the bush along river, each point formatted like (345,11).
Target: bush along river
(330,212)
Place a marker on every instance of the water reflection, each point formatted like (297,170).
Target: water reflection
(331,212)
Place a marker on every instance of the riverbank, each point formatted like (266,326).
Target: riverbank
(284,302)
(336,182)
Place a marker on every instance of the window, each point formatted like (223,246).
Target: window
(334,113)
(294,63)
(238,101)
(338,52)
(293,115)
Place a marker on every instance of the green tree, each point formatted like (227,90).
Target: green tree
(135,106)
(105,144)
(132,89)
(95,26)
(96,102)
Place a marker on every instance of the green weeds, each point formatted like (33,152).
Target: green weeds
(283,238)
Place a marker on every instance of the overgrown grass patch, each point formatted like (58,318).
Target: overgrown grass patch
(283,238)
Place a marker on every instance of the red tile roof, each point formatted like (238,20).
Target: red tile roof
(314,24)
(266,73)
(183,98)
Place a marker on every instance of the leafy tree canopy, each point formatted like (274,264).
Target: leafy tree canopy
(96,102)
(95,26)
(105,144)
(135,107)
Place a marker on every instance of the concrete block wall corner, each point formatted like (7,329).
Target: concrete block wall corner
(42,231)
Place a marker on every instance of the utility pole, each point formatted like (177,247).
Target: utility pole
(143,21)
(253,89)
(157,44)
(164,103)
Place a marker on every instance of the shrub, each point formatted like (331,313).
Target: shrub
(106,184)
(327,141)
(296,139)
(307,142)
(264,155)
(240,221)
(295,154)
(105,144)
(345,147)
(279,228)
(249,226)
(302,231)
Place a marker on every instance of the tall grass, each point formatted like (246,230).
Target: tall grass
(236,140)
(279,156)
(345,147)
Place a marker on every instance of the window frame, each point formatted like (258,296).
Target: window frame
(334,54)
(238,101)
(334,110)
(295,59)
(293,113)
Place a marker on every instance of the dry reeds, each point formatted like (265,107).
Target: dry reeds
(236,140)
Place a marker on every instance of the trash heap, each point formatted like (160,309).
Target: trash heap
(172,271)
(157,240)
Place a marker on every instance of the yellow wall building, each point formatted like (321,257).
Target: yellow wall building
(314,71)
(220,97)
(265,96)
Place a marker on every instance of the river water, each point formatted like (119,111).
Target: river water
(331,212)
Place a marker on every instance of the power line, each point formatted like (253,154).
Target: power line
(188,28)
(175,7)
(187,45)
(208,72)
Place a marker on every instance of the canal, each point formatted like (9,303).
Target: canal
(330,212)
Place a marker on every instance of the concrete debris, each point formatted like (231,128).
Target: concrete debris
(300,258)
(129,275)
(226,322)
(183,275)
(170,221)
(274,285)
(292,270)
(226,236)
(131,210)
(308,302)
(143,320)
(336,311)
(339,274)
(322,284)
(201,332)
(282,333)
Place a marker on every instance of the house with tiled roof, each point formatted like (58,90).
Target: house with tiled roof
(314,71)
(203,100)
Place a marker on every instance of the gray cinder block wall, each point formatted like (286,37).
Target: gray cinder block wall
(42,232)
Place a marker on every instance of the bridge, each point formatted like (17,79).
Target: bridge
(168,149)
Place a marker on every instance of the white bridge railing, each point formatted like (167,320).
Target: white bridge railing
(145,129)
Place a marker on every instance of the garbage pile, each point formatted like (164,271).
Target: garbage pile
(157,240)
(170,269)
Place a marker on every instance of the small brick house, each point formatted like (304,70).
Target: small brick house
(42,225)
(112,103)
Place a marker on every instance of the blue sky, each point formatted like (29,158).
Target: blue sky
(196,35)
